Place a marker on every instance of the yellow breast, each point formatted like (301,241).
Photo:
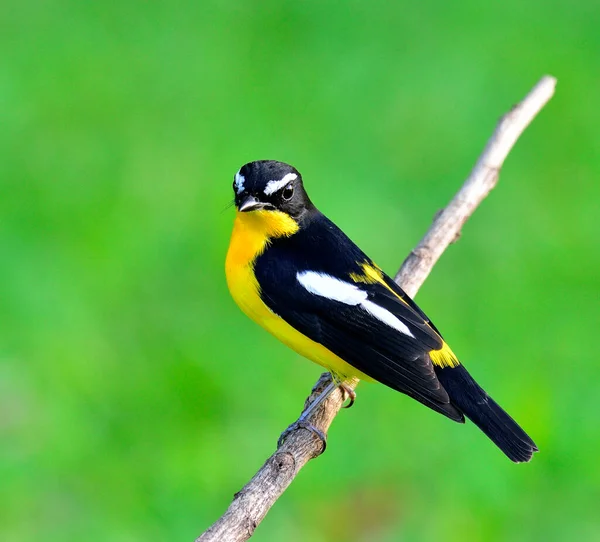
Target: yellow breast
(251,234)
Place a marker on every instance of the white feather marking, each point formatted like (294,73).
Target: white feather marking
(273,186)
(239,182)
(335,289)
(386,317)
(327,286)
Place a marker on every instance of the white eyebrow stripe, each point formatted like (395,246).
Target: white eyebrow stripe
(335,289)
(273,186)
(239,182)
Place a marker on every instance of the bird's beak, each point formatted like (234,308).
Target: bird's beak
(250,204)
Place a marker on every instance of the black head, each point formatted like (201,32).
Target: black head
(271,186)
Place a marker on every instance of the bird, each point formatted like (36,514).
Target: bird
(299,276)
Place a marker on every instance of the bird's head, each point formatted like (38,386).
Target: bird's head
(270,186)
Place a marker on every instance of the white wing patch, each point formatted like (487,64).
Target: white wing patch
(386,317)
(239,182)
(335,289)
(274,186)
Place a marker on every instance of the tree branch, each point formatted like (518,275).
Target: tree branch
(251,504)
(448,224)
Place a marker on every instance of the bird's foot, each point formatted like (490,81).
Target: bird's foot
(303,424)
(349,392)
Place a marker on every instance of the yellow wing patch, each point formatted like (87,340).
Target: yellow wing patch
(444,357)
(372,275)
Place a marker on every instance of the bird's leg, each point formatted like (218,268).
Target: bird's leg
(303,422)
(318,401)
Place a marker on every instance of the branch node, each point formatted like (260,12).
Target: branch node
(284,462)
(421,253)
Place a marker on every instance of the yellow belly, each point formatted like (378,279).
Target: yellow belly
(249,239)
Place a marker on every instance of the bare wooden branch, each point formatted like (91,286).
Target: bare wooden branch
(448,224)
(252,503)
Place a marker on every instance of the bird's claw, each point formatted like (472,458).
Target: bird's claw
(303,424)
(347,390)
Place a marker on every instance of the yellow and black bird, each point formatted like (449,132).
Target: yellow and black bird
(295,273)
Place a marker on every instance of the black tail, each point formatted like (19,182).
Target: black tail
(484,412)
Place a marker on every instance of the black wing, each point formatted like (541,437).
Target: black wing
(359,337)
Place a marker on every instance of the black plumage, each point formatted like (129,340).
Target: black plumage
(398,360)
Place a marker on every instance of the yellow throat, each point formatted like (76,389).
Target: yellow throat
(252,232)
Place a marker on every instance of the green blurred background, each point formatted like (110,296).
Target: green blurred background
(135,398)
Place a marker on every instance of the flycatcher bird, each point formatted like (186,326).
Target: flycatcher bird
(295,273)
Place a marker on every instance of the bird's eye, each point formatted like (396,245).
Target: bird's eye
(288,192)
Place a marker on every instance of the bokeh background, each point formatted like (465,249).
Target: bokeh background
(135,398)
